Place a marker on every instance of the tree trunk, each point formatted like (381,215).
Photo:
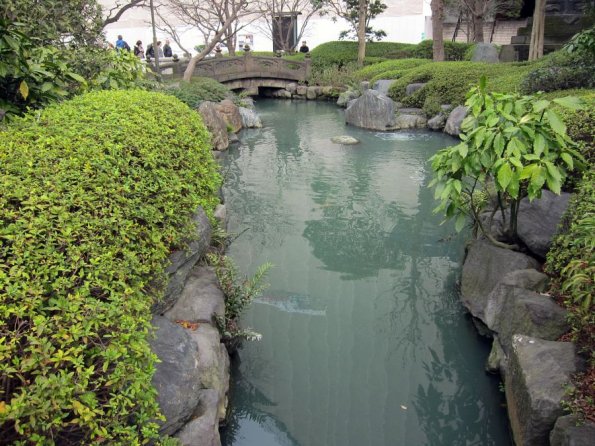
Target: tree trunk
(536,45)
(437,31)
(361,32)
(208,48)
(478,13)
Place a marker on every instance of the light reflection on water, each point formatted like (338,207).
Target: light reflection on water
(364,341)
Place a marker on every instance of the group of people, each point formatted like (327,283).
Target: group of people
(140,52)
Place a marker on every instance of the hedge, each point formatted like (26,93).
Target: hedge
(199,89)
(345,52)
(94,195)
(449,82)
(371,71)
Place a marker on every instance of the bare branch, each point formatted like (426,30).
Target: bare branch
(120,8)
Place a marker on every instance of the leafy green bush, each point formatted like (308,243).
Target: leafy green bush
(452,50)
(448,82)
(561,71)
(519,142)
(199,89)
(94,195)
(341,53)
(31,76)
(371,71)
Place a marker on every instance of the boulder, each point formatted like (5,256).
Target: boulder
(301,90)
(371,110)
(528,313)
(454,121)
(437,122)
(497,360)
(182,262)
(527,279)
(538,220)
(409,121)
(536,381)
(213,363)
(346,97)
(312,93)
(570,431)
(215,124)
(383,85)
(231,114)
(250,118)
(345,140)
(282,94)
(485,52)
(201,298)
(203,428)
(176,378)
(327,91)
(291,88)
(484,266)
(412,88)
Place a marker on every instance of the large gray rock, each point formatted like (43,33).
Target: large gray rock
(201,298)
(312,93)
(347,96)
(528,313)
(454,121)
(213,363)
(497,361)
(177,377)
(536,381)
(437,122)
(250,118)
(371,110)
(182,262)
(538,220)
(527,279)
(485,52)
(405,121)
(301,90)
(203,429)
(215,124)
(231,114)
(485,265)
(412,88)
(570,431)
(383,85)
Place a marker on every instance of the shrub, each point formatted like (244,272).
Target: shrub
(335,75)
(448,82)
(94,195)
(452,50)
(199,89)
(371,71)
(519,142)
(341,53)
(561,71)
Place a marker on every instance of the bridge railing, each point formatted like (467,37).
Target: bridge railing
(225,69)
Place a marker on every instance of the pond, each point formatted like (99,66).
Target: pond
(364,340)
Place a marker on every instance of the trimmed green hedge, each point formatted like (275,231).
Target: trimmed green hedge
(378,69)
(449,82)
(344,52)
(95,193)
(199,89)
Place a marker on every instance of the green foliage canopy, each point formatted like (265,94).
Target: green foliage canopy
(95,193)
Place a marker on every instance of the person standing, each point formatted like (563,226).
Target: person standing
(167,52)
(121,44)
(139,51)
(151,51)
(304,48)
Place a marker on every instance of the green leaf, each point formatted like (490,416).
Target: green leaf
(483,82)
(567,159)
(541,105)
(77,77)
(556,123)
(538,144)
(504,175)
(463,150)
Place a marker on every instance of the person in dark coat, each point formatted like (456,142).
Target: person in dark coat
(167,52)
(304,48)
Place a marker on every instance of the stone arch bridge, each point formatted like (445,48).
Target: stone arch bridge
(245,72)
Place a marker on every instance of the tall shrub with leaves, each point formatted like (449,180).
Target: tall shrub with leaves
(31,76)
(95,193)
(518,142)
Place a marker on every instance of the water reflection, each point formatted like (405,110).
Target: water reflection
(364,341)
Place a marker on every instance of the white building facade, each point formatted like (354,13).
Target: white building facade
(406,21)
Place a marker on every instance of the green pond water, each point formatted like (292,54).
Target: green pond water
(364,340)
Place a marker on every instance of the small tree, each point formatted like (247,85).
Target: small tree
(517,142)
